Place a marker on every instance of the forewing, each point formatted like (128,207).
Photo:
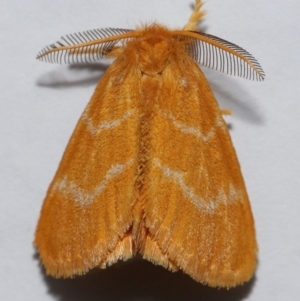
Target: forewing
(87,211)
(197,213)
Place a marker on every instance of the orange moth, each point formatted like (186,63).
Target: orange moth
(150,167)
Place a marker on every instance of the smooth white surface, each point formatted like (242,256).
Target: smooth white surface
(41,103)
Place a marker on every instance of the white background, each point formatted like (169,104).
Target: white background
(41,103)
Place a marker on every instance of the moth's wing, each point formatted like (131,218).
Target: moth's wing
(86,215)
(197,213)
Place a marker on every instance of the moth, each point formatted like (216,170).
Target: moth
(150,167)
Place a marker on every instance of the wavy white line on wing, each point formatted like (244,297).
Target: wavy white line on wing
(83,197)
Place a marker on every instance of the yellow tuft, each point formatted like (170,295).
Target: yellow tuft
(196,16)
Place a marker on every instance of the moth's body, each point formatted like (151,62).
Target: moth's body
(150,169)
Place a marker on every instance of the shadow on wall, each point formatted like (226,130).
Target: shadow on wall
(76,75)
(138,279)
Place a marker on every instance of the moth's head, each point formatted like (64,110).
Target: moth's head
(154,49)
